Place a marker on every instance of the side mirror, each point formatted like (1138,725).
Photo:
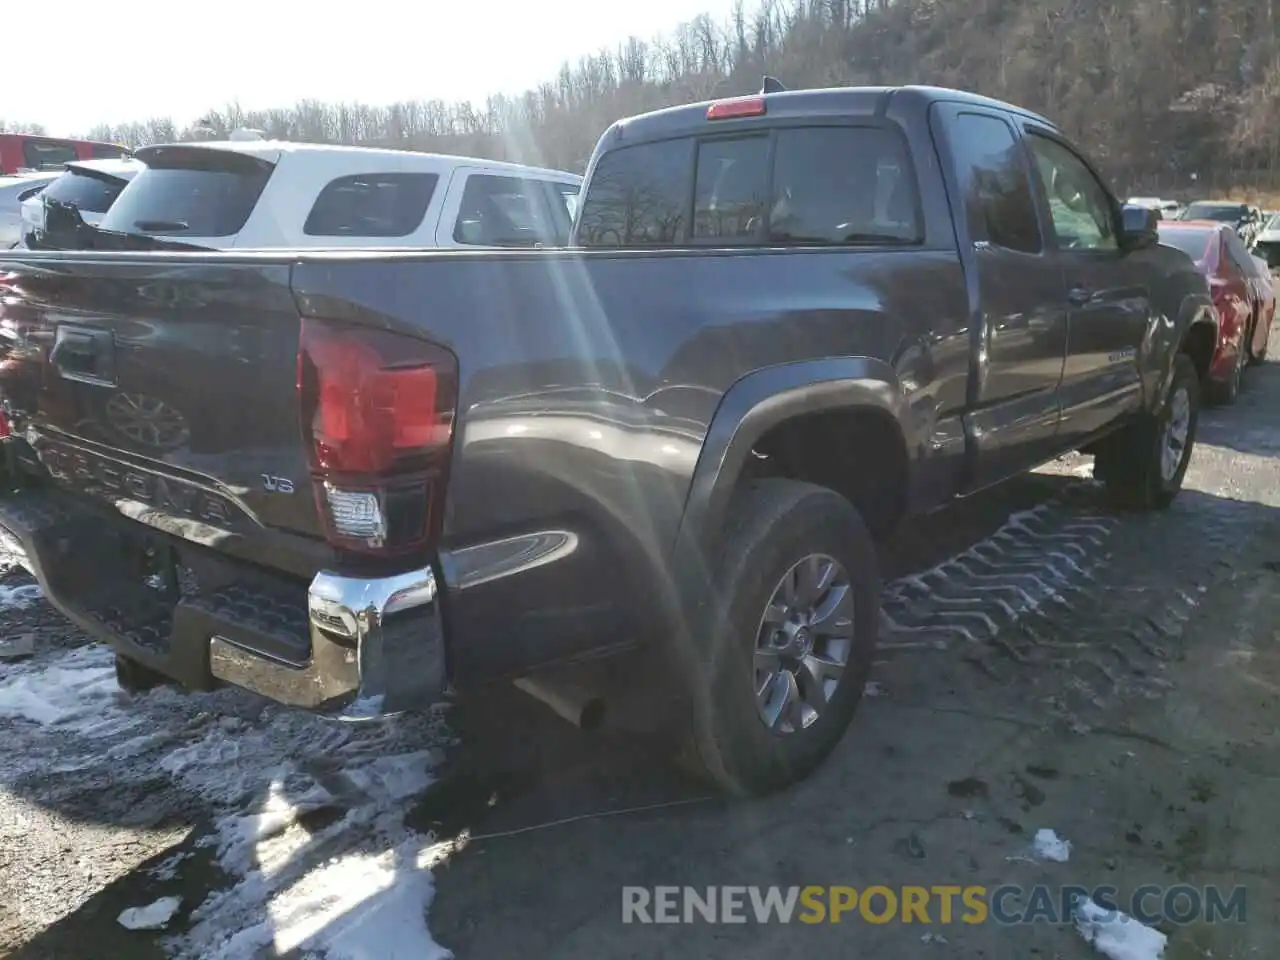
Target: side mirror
(1139,227)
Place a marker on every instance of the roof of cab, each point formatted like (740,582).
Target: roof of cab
(799,104)
(272,150)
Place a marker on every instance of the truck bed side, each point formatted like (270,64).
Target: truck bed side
(587,384)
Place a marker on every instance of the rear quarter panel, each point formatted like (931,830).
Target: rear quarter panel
(587,384)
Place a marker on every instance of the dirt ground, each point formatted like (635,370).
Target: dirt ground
(1111,677)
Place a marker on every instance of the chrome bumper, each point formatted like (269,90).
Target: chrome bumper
(377,649)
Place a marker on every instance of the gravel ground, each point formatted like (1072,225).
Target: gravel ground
(1046,663)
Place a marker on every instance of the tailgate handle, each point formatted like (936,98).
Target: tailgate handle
(84,354)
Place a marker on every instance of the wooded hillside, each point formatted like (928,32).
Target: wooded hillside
(1157,90)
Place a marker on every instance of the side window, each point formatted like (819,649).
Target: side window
(105,151)
(638,197)
(371,205)
(47,154)
(842,185)
(505,212)
(1083,218)
(568,195)
(994,179)
(731,189)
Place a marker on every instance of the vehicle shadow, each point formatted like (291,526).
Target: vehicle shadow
(1248,426)
(539,827)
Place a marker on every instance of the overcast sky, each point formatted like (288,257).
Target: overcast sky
(83,62)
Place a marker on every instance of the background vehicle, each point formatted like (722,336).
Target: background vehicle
(1267,245)
(89,188)
(13,191)
(1242,218)
(26,152)
(789,321)
(1221,255)
(265,194)
(1265,312)
(1167,209)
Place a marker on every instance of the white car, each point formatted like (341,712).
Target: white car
(1267,246)
(91,186)
(260,194)
(1167,209)
(13,192)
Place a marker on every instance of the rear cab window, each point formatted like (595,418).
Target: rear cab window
(372,205)
(503,211)
(818,185)
(192,192)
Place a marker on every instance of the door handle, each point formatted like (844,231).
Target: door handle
(1079,296)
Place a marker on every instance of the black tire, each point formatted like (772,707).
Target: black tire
(1225,393)
(133,677)
(1130,462)
(773,525)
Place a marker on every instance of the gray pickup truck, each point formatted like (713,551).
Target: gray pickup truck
(358,482)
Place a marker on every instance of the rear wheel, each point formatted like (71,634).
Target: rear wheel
(788,639)
(1144,465)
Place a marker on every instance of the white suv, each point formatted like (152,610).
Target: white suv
(258,194)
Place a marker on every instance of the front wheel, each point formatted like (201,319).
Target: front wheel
(1144,465)
(789,636)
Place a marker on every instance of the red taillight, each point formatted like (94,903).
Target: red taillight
(737,107)
(4,426)
(377,418)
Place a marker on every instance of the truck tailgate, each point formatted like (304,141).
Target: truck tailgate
(166,387)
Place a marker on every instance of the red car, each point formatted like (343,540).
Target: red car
(25,151)
(1243,329)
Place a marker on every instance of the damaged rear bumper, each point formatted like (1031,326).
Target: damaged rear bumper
(355,648)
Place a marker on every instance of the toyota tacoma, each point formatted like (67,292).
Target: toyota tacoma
(361,481)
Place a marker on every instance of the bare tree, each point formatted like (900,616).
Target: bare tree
(1154,89)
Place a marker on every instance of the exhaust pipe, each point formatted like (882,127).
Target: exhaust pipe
(583,709)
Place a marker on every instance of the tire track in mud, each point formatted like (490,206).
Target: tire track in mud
(1034,564)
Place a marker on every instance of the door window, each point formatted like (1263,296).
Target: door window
(1083,215)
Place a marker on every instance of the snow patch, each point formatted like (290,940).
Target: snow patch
(357,887)
(1047,845)
(363,906)
(156,916)
(74,691)
(20,597)
(1117,935)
